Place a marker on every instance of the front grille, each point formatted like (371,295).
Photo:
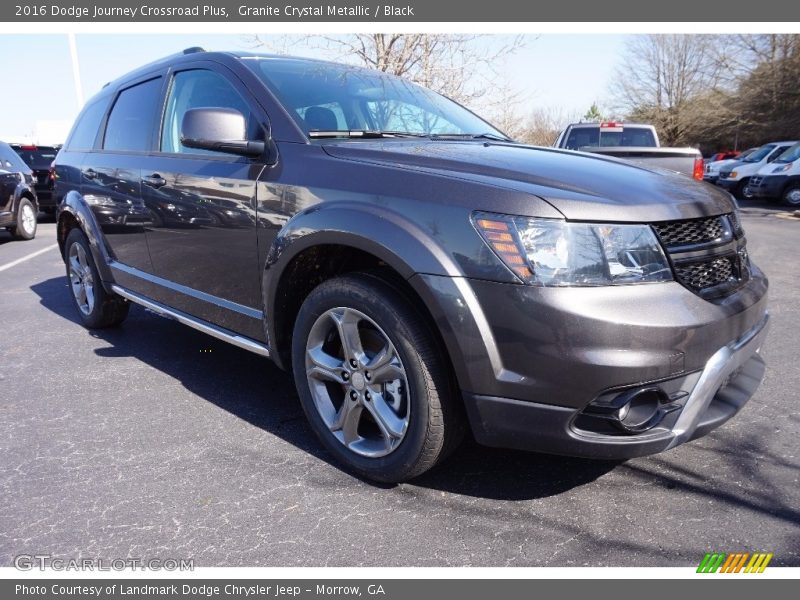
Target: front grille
(708,254)
(702,275)
(695,231)
(724,174)
(755,181)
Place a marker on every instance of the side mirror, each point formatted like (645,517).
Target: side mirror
(220,130)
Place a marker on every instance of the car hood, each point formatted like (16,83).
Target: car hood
(579,185)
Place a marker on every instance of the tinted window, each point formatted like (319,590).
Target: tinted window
(197,89)
(84,132)
(10,160)
(130,123)
(790,155)
(581,137)
(759,154)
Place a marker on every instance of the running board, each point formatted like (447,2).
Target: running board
(213,330)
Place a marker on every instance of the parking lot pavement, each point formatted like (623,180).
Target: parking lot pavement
(155,441)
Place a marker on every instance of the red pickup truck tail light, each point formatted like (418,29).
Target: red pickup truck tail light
(697,172)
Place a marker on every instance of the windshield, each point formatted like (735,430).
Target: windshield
(759,154)
(791,155)
(331,97)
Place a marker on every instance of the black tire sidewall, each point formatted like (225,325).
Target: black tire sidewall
(391,315)
(785,195)
(92,320)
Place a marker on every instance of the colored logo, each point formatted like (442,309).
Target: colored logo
(737,562)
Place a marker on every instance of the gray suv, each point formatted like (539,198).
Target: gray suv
(419,273)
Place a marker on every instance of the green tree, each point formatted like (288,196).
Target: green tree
(593,114)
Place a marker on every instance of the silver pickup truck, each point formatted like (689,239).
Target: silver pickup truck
(634,142)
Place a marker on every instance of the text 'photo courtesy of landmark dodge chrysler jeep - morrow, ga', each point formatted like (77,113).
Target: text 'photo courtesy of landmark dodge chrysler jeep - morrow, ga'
(419,273)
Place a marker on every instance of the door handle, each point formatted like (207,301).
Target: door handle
(155,180)
(90,173)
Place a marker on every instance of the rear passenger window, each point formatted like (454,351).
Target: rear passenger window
(84,132)
(130,123)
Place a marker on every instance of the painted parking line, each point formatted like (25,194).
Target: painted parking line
(14,263)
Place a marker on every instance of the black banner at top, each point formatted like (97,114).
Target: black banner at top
(464,11)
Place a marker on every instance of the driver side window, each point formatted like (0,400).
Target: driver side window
(197,88)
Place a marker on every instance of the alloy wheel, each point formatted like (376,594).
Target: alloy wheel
(81,279)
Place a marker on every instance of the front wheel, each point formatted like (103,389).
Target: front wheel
(791,196)
(25,229)
(743,190)
(372,379)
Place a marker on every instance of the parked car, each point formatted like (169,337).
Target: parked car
(718,156)
(711,174)
(40,160)
(417,271)
(779,180)
(631,141)
(18,203)
(736,176)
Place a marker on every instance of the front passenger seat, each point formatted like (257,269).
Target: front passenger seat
(321,119)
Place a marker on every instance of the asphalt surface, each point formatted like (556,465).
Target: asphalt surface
(156,441)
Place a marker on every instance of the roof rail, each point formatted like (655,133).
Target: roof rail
(194,50)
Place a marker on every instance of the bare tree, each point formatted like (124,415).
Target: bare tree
(542,126)
(661,74)
(463,67)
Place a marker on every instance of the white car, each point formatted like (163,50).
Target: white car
(779,180)
(736,177)
(712,169)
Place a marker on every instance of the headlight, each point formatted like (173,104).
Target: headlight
(732,175)
(93,200)
(782,168)
(555,253)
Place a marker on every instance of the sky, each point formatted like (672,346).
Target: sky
(563,72)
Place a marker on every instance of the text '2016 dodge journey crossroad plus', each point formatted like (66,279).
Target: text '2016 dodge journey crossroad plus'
(418,271)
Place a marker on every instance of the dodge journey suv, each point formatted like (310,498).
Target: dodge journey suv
(419,273)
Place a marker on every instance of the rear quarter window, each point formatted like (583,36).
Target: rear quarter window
(84,132)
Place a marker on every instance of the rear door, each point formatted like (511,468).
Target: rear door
(203,238)
(111,174)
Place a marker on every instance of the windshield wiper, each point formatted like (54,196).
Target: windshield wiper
(473,136)
(362,133)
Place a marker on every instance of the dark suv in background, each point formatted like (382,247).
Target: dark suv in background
(18,203)
(418,271)
(40,160)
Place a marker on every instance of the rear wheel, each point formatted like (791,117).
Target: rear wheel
(791,196)
(25,229)
(372,379)
(96,307)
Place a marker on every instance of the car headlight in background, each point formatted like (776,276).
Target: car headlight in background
(555,253)
(732,175)
(782,168)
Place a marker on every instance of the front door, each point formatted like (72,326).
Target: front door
(202,204)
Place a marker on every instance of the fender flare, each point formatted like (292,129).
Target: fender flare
(23,189)
(369,228)
(75,205)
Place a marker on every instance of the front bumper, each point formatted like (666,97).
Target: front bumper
(727,382)
(769,186)
(530,360)
(728,184)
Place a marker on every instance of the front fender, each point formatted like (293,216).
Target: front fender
(76,206)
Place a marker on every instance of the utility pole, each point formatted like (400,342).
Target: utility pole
(76,71)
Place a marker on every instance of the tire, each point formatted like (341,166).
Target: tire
(26,226)
(96,308)
(791,196)
(390,424)
(742,191)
